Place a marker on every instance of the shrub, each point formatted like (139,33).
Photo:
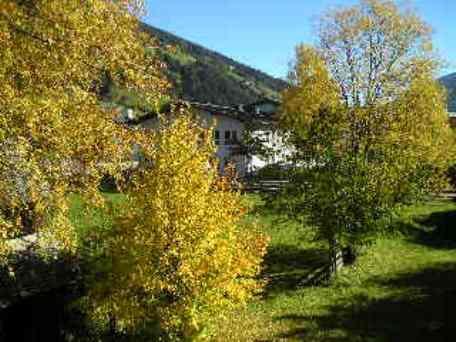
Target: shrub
(180,257)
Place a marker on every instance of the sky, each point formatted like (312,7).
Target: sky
(264,33)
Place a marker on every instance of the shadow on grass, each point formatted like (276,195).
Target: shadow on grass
(423,309)
(287,266)
(440,229)
(437,230)
(35,288)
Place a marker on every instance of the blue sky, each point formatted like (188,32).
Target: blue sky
(263,33)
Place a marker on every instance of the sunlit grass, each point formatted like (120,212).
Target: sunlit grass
(87,218)
(401,288)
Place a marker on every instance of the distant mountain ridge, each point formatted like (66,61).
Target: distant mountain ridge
(203,75)
(449,81)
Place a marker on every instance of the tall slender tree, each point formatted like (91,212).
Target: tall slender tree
(367,119)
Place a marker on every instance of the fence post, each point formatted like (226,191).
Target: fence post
(335,257)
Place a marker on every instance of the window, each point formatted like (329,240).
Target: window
(227,137)
(231,137)
(217,137)
(234,137)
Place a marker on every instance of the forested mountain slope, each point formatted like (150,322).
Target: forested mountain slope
(202,75)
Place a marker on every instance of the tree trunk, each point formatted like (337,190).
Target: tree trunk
(335,257)
(28,219)
(349,255)
(112,328)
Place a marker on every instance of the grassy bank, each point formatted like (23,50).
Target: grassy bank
(88,219)
(402,289)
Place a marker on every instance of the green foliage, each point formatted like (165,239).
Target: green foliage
(273,171)
(128,99)
(365,147)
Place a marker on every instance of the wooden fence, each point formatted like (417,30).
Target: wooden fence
(265,186)
(323,273)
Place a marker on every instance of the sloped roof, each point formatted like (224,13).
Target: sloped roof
(229,111)
(243,113)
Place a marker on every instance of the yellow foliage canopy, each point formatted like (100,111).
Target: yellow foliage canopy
(179,254)
(55,138)
(188,257)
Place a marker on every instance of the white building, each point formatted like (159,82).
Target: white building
(258,119)
(230,125)
(265,113)
(229,128)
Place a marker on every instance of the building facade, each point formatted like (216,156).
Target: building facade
(230,126)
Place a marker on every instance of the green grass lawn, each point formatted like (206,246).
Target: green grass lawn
(402,289)
(87,219)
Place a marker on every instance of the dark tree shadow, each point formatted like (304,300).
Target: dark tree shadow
(436,230)
(424,309)
(439,229)
(34,292)
(286,267)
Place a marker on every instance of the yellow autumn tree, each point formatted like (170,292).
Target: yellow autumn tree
(367,119)
(55,137)
(179,257)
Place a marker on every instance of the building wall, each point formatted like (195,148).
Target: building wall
(226,148)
